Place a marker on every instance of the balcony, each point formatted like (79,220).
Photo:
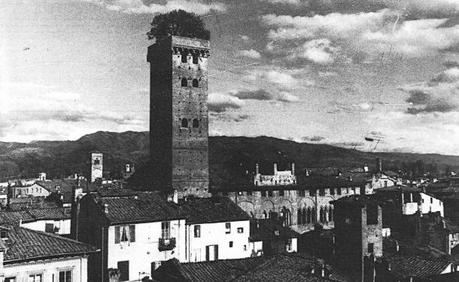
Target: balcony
(166,244)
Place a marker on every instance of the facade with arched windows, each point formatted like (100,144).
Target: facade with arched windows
(299,206)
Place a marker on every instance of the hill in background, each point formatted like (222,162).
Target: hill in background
(231,158)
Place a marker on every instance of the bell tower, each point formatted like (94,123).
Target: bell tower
(178,115)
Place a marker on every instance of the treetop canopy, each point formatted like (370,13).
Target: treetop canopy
(180,23)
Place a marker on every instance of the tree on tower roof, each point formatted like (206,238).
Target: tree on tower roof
(180,23)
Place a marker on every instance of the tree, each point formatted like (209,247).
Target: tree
(178,22)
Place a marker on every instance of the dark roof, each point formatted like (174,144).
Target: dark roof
(62,186)
(399,188)
(264,229)
(403,266)
(280,267)
(357,200)
(303,183)
(30,215)
(125,206)
(25,244)
(215,209)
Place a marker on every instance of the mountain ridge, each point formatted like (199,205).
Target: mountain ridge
(227,155)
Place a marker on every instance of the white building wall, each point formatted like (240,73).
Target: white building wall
(40,225)
(49,269)
(144,250)
(431,204)
(216,234)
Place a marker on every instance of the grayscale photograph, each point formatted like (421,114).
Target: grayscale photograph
(229,140)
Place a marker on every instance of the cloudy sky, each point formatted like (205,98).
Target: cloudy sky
(318,71)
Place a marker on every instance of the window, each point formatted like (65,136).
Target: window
(312,192)
(195,59)
(281,193)
(230,244)
(228,227)
(195,83)
(184,123)
(431,200)
(263,193)
(385,183)
(184,82)
(301,193)
(184,57)
(371,247)
(197,231)
(372,214)
(195,123)
(245,247)
(240,230)
(49,228)
(96,162)
(321,192)
(10,279)
(270,193)
(65,276)
(123,267)
(338,191)
(36,278)
(249,193)
(124,233)
(165,229)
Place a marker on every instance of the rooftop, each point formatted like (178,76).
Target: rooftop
(403,266)
(303,183)
(281,267)
(31,215)
(126,206)
(215,209)
(264,229)
(25,244)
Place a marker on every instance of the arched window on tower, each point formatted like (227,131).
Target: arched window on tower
(195,83)
(309,216)
(184,82)
(195,123)
(184,123)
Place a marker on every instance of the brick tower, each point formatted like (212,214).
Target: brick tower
(178,115)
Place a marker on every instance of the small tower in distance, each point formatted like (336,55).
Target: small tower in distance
(178,115)
(96,166)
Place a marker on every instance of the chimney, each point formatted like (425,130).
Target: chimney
(306,172)
(275,168)
(257,169)
(173,197)
(293,168)
(365,168)
(378,165)
(106,208)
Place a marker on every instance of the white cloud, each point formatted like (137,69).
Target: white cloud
(319,51)
(279,77)
(254,54)
(290,2)
(371,33)
(222,102)
(139,7)
(30,112)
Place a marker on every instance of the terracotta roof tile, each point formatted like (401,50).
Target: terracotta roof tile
(25,244)
(215,209)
